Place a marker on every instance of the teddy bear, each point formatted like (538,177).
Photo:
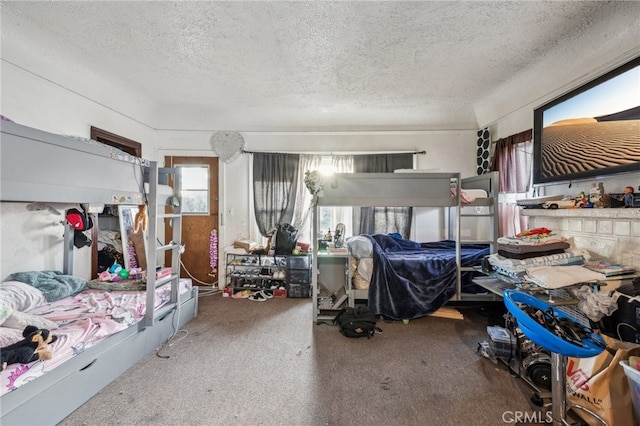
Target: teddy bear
(140,221)
(35,346)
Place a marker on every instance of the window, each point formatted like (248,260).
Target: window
(513,158)
(195,189)
(120,142)
(330,217)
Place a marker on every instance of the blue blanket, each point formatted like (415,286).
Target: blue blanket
(412,279)
(53,284)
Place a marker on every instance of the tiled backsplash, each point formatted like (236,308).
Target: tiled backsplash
(612,233)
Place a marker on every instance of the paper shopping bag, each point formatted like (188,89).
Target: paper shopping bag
(599,384)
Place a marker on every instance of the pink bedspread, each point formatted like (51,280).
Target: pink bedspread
(84,320)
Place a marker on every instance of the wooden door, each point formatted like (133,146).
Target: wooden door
(197,227)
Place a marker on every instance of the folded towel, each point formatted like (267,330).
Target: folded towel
(561,276)
(552,259)
(534,240)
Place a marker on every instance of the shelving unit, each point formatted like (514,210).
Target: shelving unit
(256,272)
(332,282)
(298,276)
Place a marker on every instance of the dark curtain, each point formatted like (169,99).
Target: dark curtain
(275,181)
(382,220)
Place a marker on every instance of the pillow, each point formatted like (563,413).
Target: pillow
(5,312)
(9,336)
(19,320)
(53,284)
(20,296)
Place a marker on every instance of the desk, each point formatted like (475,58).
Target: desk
(330,282)
(557,297)
(494,285)
(560,297)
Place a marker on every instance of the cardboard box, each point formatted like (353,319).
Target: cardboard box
(245,244)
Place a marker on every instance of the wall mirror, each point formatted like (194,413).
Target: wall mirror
(133,243)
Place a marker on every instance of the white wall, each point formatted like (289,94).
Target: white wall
(33,240)
(233,179)
(445,151)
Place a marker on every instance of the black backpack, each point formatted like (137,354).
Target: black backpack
(356,322)
(286,237)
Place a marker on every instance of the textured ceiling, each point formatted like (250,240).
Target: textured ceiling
(270,66)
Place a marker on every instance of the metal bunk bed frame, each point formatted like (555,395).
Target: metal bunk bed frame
(406,190)
(86,172)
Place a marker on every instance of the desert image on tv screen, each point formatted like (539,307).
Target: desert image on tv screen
(595,130)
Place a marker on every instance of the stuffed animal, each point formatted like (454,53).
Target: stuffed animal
(35,346)
(140,220)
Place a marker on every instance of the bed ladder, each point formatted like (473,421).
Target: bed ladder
(159,212)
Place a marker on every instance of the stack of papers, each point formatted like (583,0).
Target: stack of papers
(609,268)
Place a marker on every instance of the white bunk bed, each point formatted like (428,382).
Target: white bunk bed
(37,166)
(409,190)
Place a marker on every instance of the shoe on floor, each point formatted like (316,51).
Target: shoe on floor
(258,296)
(266,293)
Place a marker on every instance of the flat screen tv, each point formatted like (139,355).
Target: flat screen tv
(592,131)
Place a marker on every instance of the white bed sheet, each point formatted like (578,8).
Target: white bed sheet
(84,320)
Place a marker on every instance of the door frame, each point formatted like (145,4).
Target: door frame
(162,154)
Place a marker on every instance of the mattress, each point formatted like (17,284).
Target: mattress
(411,279)
(84,320)
(164,191)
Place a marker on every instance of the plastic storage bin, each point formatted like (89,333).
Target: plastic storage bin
(299,262)
(502,341)
(299,290)
(300,277)
(633,377)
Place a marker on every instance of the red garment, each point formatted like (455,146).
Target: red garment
(534,231)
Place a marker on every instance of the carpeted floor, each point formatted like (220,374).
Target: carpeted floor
(266,363)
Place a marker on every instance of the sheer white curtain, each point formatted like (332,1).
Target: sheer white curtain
(302,211)
(513,158)
(344,215)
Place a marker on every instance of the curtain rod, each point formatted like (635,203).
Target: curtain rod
(332,153)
